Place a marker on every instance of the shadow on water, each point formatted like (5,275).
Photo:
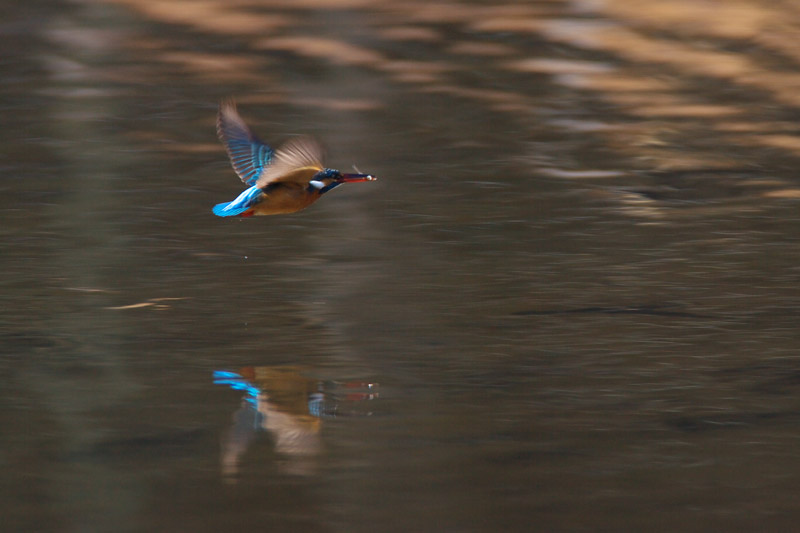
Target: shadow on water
(576,279)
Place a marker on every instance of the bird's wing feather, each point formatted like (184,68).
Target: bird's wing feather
(249,155)
(297,154)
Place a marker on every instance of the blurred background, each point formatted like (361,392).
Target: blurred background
(569,303)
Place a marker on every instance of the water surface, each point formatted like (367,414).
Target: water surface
(569,302)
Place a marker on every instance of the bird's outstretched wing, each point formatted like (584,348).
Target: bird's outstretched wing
(297,160)
(249,155)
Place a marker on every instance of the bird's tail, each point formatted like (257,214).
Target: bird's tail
(242,203)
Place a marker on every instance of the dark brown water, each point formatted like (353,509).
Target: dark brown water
(569,303)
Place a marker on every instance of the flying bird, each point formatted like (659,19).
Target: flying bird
(284,180)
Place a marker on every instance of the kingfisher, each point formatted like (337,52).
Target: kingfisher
(284,180)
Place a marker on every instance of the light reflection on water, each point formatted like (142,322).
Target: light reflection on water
(576,280)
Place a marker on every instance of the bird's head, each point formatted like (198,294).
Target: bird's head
(326,179)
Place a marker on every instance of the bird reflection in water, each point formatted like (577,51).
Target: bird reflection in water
(290,406)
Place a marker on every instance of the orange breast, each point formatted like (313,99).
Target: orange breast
(285,197)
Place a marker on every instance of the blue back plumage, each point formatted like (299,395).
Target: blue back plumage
(248,154)
(242,203)
(223,210)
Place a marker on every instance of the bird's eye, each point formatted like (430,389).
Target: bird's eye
(316,184)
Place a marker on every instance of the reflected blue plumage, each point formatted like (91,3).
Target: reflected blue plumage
(237,382)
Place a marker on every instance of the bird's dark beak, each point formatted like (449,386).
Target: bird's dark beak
(350,178)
